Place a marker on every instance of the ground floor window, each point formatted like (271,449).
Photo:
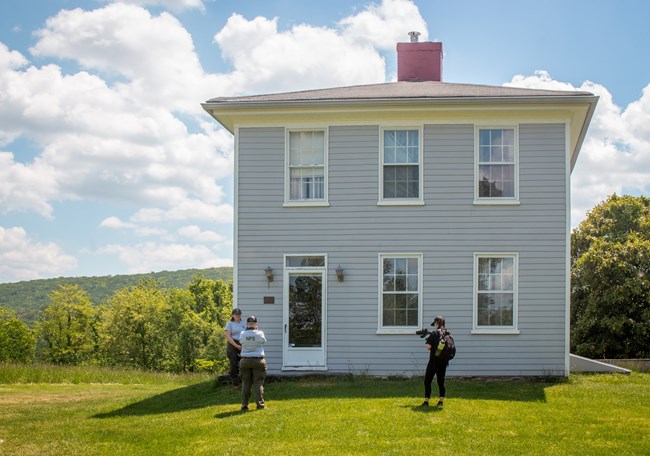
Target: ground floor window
(495,292)
(400,292)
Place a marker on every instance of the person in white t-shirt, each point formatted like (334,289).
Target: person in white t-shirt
(252,366)
(233,330)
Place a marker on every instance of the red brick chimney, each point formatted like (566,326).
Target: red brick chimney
(419,61)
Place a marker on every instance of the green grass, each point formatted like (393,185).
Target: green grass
(585,415)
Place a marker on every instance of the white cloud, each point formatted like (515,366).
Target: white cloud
(22,258)
(98,144)
(10,59)
(172,5)
(155,54)
(304,57)
(187,210)
(195,233)
(26,187)
(115,223)
(151,256)
(386,24)
(615,156)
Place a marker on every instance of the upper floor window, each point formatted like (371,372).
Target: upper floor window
(496,169)
(495,293)
(401,166)
(306,166)
(400,292)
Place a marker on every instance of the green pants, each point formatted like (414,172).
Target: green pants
(252,372)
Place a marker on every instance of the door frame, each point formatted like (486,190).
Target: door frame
(321,363)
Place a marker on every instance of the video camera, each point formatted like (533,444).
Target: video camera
(424,332)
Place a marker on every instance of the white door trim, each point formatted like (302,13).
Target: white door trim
(304,359)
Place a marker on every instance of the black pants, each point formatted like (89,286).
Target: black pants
(233,357)
(435,368)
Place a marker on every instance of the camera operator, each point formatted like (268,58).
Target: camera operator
(436,367)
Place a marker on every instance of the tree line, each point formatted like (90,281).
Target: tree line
(144,326)
(29,298)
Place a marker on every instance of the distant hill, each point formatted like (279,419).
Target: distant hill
(29,298)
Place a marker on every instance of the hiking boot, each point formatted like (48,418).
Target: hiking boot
(244,408)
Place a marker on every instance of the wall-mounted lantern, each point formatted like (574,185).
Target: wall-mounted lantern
(269,275)
(339,273)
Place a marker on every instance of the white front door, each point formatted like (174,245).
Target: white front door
(304,318)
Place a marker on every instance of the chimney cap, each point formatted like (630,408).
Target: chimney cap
(414,36)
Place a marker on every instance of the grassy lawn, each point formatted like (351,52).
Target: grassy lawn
(89,411)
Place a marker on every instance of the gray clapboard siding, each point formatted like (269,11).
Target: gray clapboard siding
(447,230)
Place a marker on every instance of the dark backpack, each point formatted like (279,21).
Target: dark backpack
(449,351)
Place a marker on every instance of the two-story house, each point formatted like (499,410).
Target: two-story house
(363,212)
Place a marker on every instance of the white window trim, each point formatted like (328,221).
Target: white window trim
(380,313)
(287,179)
(402,201)
(506,201)
(514,329)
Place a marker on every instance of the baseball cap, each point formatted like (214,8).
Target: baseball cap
(251,319)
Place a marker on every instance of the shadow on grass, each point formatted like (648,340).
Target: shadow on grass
(209,394)
(420,409)
(191,397)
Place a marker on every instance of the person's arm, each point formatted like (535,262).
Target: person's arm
(231,341)
(429,342)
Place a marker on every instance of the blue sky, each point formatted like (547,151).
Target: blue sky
(109,166)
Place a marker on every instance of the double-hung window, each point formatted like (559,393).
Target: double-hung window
(497,180)
(400,292)
(306,169)
(401,166)
(495,293)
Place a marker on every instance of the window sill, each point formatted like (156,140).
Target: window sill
(497,202)
(393,331)
(306,204)
(400,202)
(497,331)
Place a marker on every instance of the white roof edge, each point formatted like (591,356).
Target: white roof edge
(333,102)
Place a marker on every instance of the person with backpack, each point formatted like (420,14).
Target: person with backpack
(438,360)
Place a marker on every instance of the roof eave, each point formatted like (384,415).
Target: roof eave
(583,131)
(353,102)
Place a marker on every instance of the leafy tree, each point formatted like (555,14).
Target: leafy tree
(222,293)
(134,327)
(17,342)
(68,327)
(610,289)
(213,299)
(187,332)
